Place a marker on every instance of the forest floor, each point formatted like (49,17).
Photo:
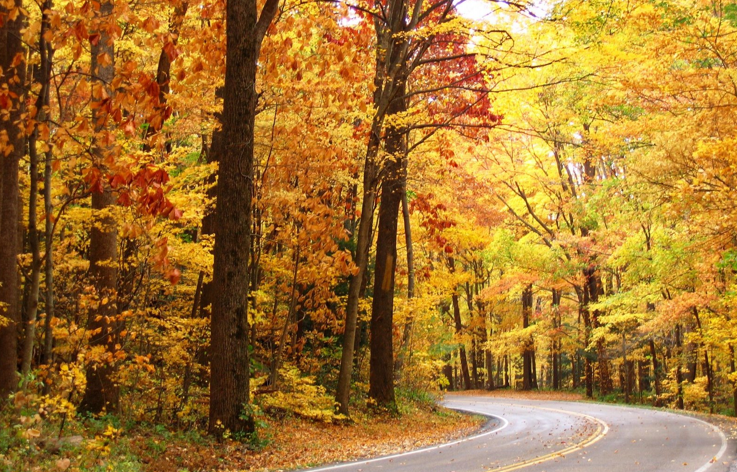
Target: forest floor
(297,443)
(28,443)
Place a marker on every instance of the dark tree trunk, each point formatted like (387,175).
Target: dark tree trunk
(102,393)
(692,354)
(625,370)
(642,383)
(209,222)
(389,77)
(44,78)
(47,53)
(656,372)
(556,340)
(476,359)
(707,364)
(34,243)
(360,258)
(474,362)
(448,373)
(459,331)
(405,352)
(163,76)
(527,353)
(533,360)
(48,263)
(679,374)
(11,45)
(585,315)
(489,365)
(499,374)
(732,370)
(594,287)
(381,372)
(229,373)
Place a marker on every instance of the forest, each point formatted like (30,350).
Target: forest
(215,212)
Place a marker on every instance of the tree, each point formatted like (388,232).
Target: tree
(230,370)
(103,393)
(12,145)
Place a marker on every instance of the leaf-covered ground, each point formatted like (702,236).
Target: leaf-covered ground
(295,443)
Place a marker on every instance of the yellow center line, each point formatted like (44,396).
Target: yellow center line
(601,430)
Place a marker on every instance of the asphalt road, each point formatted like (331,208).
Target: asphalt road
(547,436)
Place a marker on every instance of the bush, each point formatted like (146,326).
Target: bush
(301,397)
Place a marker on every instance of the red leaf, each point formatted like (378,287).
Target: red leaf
(175,214)
(174,275)
(171,50)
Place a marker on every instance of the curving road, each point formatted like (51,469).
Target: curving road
(550,436)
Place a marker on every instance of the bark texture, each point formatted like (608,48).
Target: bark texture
(11,46)
(102,393)
(528,379)
(381,375)
(229,373)
(459,331)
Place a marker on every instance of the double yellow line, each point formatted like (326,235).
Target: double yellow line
(601,429)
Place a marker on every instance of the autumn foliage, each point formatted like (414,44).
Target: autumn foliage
(550,191)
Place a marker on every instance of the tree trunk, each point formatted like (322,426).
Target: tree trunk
(229,373)
(48,263)
(679,373)
(527,377)
(47,54)
(448,373)
(656,372)
(732,370)
(642,383)
(381,379)
(594,288)
(31,308)
(11,46)
(625,369)
(163,74)
(381,375)
(102,393)
(489,365)
(707,364)
(405,351)
(583,312)
(342,394)
(43,77)
(475,358)
(276,361)
(459,331)
(389,77)
(556,341)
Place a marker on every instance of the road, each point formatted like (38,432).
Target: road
(553,436)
